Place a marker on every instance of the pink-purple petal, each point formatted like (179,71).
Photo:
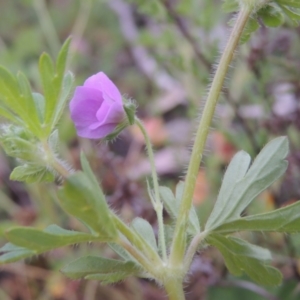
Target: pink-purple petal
(96,108)
(84,114)
(110,113)
(102,82)
(86,94)
(96,133)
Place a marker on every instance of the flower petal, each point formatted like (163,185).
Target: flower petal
(110,113)
(83,114)
(85,94)
(101,82)
(96,133)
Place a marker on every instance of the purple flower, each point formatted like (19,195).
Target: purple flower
(96,107)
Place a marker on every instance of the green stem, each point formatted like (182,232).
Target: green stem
(178,247)
(174,289)
(150,267)
(137,241)
(55,163)
(157,204)
(192,249)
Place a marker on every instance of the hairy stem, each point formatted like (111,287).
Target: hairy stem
(174,289)
(193,249)
(157,204)
(138,256)
(178,246)
(137,241)
(54,162)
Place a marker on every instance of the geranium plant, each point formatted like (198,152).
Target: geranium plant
(99,112)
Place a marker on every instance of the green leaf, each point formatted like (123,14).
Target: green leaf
(62,60)
(16,96)
(241,256)
(82,197)
(29,103)
(47,73)
(267,167)
(39,102)
(122,252)
(54,141)
(56,86)
(193,217)
(290,3)
(7,114)
(292,14)
(67,87)
(230,6)
(251,27)
(109,278)
(10,253)
(172,204)
(236,170)
(286,219)
(271,16)
(94,265)
(89,172)
(51,238)
(31,173)
(18,143)
(145,231)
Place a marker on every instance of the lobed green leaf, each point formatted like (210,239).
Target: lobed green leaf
(267,167)
(96,267)
(51,238)
(172,204)
(56,85)
(145,231)
(11,253)
(241,256)
(26,242)
(31,173)
(82,197)
(286,219)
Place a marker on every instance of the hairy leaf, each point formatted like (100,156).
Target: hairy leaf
(82,197)
(267,167)
(10,253)
(172,204)
(241,256)
(87,266)
(145,231)
(51,238)
(286,219)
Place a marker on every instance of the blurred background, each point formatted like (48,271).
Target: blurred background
(162,54)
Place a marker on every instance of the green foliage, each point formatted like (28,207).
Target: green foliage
(82,197)
(84,200)
(99,268)
(31,173)
(145,231)
(17,101)
(171,204)
(241,186)
(230,6)
(272,14)
(34,117)
(241,256)
(11,253)
(26,242)
(286,219)
(56,86)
